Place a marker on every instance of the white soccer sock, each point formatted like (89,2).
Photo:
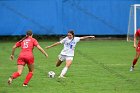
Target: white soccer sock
(64,71)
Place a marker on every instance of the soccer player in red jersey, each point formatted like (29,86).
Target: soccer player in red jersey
(27,45)
(137,46)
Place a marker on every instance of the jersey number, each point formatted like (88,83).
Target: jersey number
(25,45)
(71,46)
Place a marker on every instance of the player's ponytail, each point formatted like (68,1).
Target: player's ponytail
(28,33)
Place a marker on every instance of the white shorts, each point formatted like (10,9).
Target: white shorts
(65,58)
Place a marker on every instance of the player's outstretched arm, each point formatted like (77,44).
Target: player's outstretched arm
(55,44)
(135,41)
(85,37)
(13,52)
(42,50)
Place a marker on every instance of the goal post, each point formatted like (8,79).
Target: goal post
(134,21)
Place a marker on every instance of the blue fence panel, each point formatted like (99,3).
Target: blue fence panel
(40,16)
(56,17)
(100,17)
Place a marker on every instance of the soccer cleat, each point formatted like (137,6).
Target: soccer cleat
(24,85)
(10,81)
(61,76)
(131,68)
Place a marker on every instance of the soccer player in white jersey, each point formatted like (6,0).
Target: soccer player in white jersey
(67,53)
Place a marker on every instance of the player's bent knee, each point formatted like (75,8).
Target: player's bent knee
(68,65)
(137,57)
(20,73)
(31,72)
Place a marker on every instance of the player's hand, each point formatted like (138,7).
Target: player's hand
(48,47)
(135,46)
(12,57)
(46,55)
(92,36)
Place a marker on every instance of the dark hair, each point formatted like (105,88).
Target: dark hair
(71,32)
(28,33)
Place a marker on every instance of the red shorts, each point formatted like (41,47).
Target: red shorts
(25,60)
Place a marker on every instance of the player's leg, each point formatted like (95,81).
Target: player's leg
(136,58)
(20,68)
(135,61)
(29,75)
(58,63)
(68,64)
(16,74)
(61,58)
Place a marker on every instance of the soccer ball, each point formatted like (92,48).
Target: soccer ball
(51,74)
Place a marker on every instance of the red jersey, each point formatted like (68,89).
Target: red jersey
(138,32)
(27,46)
(138,35)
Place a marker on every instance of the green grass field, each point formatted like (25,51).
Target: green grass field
(98,67)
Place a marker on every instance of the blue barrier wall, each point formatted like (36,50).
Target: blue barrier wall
(56,17)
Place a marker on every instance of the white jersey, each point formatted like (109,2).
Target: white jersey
(69,45)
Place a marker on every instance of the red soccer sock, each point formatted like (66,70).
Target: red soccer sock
(28,77)
(15,75)
(135,61)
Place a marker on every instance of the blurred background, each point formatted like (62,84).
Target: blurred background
(56,17)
